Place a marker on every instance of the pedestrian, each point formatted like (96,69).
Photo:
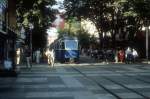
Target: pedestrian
(28,57)
(37,55)
(128,55)
(135,54)
(18,51)
(50,57)
(116,56)
(121,55)
(105,51)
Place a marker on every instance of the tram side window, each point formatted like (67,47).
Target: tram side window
(62,45)
(56,46)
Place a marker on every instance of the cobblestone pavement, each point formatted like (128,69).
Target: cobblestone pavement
(79,81)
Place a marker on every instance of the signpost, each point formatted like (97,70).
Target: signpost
(146,29)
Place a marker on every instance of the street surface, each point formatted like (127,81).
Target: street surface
(79,81)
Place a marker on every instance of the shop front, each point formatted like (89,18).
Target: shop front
(7,54)
(7,42)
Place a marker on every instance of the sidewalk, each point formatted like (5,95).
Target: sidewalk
(88,61)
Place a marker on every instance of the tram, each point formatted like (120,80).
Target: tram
(67,49)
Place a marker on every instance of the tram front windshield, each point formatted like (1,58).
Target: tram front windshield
(71,45)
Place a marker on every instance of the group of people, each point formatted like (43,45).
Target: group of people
(49,53)
(128,55)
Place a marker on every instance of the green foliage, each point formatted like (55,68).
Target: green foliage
(36,13)
(130,13)
(84,39)
(72,27)
(38,38)
(33,12)
(142,7)
(111,15)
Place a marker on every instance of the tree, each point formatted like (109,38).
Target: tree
(84,39)
(37,13)
(98,11)
(123,17)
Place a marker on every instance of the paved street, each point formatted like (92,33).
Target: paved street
(79,81)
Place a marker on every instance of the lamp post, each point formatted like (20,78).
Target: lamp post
(31,28)
(146,29)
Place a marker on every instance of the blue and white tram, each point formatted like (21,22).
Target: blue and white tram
(66,49)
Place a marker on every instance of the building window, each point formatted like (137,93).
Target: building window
(3,5)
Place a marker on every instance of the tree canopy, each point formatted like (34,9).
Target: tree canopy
(119,17)
(39,14)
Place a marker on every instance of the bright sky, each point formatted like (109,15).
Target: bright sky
(52,31)
(59,0)
(59,6)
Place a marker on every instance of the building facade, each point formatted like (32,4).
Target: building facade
(7,36)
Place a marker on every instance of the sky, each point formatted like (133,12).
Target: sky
(52,31)
(59,6)
(59,0)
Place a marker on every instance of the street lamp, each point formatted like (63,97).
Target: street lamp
(146,29)
(31,28)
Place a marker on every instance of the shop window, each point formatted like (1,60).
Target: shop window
(1,52)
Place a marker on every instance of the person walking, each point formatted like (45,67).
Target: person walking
(37,55)
(18,51)
(50,57)
(135,55)
(28,57)
(128,55)
(121,55)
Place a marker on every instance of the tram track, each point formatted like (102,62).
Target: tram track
(127,87)
(148,82)
(97,83)
(106,89)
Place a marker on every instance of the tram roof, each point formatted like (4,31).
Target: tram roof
(68,38)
